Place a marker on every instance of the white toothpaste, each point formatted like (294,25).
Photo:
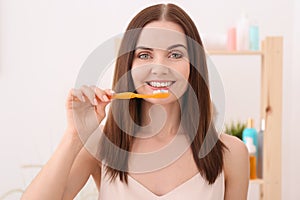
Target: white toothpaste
(160,91)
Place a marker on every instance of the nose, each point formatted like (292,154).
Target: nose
(158,69)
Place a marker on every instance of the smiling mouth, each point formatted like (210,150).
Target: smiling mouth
(160,84)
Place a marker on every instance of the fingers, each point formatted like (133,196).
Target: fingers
(91,94)
(78,94)
(75,95)
(103,95)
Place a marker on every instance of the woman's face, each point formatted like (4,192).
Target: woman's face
(161,61)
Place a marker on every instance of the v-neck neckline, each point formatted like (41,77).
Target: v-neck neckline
(166,194)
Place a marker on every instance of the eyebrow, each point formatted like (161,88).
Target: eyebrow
(176,45)
(144,48)
(169,48)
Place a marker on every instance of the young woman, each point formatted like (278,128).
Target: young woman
(173,153)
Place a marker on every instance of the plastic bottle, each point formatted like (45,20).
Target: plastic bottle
(252,156)
(260,142)
(254,36)
(242,33)
(250,131)
(231,39)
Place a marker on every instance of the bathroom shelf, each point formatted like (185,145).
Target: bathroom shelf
(217,52)
(271,110)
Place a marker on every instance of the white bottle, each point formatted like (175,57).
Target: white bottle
(242,33)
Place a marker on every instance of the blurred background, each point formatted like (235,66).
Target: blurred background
(44,43)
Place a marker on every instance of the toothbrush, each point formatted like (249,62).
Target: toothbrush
(130,95)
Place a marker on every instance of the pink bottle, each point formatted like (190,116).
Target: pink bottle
(231,39)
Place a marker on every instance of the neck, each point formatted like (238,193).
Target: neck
(167,116)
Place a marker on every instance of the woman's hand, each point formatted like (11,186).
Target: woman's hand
(71,165)
(85,110)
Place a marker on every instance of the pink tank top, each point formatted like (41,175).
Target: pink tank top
(194,188)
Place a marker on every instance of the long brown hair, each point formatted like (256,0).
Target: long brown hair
(211,165)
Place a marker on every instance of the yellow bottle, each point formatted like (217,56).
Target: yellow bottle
(252,154)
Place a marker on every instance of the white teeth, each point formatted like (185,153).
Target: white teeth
(160,84)
(160,91)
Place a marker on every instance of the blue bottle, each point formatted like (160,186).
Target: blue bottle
(254,37)
(251,132)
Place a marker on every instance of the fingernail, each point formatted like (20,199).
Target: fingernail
(83,99)
(105,98)
(95,101)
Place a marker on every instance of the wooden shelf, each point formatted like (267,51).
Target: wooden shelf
(271,110)
(216,52)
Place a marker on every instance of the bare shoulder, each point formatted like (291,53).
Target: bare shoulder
(236,167)
(236,148)
(236,155)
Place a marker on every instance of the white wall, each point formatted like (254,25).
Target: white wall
(44,43)
(291,162)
